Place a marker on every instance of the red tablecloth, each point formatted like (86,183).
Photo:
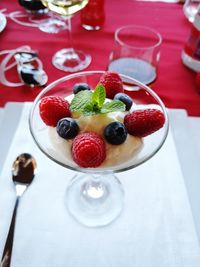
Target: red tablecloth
(175,83)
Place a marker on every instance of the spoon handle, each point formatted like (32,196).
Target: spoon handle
(7,252)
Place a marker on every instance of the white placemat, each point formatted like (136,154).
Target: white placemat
(186,135)
(1,114)
(194,128)
(156,228)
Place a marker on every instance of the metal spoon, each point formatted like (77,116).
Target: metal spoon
(23,172)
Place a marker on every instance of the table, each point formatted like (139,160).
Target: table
(134,243)
(175,83)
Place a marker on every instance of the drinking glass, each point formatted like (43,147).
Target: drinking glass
(136,53)
(190,9)
(68,59)
(95,196)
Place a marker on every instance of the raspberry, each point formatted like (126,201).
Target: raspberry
(52,109)
(112,83)
(144,122)
(88,150)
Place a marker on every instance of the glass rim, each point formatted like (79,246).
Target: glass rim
(157,34)
(98,170)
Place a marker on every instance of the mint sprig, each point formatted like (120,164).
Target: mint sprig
(91,103)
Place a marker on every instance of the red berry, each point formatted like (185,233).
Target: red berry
(88,150)
(144,122)
(53,108)
(112,83)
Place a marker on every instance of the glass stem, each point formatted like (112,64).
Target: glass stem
(70,33)
(94,189)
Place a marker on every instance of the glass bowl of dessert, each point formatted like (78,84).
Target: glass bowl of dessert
(98,123)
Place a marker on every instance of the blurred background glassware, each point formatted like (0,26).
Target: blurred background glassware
(33,6)
(30,69)
(39,15)
(27,64)
(191,51)
(68,59)
(136,53)
(93,15)
(3,21)
(190,8)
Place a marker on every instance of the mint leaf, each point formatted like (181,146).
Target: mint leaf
(80,101)
(98,97)
(114,105)
(90,103)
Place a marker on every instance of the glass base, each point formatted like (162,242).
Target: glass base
(91,28)
(71,60)
(190,62)
(52,25)
(95,200)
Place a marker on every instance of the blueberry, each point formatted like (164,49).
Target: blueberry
(80,87)
(115,133)
(125,99)
(67,128)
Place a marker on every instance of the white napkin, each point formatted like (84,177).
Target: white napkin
(156,227)
(166,1)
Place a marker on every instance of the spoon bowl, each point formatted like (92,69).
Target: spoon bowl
(23,172)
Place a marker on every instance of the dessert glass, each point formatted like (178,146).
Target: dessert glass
(95,196)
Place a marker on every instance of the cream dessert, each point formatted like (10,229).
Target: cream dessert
(115,154)
(99,127)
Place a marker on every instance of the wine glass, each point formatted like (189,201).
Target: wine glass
(68,59)
(39,16)
(95,196)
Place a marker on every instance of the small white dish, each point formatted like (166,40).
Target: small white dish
(3,22)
